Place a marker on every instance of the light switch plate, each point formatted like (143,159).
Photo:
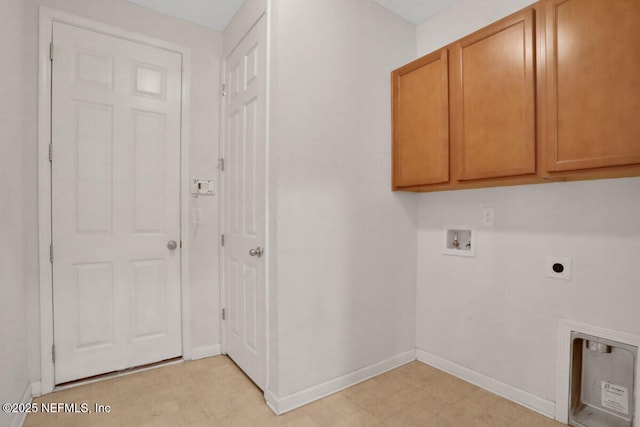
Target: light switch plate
(565,262)
(198,216)
(487,217)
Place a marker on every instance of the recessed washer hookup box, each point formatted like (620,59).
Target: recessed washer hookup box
(602,389)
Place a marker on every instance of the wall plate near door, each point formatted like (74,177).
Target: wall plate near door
(206,187)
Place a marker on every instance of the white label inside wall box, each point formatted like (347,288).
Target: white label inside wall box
(205,187)
(615,397)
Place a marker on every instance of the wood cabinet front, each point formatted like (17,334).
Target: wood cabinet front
(421,122)
(549,93)
(493,96)
(593,57)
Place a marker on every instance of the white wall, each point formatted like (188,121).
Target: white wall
(346,245)
(497,314)
(13,290)
(206,47)
(462,18)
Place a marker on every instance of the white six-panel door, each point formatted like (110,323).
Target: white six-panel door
(115,203)
(244,151)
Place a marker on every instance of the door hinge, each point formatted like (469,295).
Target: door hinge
(224,314)
(51,253)
(221,164)
(180,244)
(50,152)
(222,240)
(224,89)
(50,51)
(53,353)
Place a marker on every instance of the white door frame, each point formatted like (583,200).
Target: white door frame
(46,19)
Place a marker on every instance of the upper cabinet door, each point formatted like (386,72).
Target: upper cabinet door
(420,103)
(493,100)
(593,59)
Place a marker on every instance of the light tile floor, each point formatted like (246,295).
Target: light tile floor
(214,392)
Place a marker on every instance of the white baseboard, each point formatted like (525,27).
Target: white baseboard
(18,418)
(272,402)
(293,401)
(206,351)
(531,401)
(36,389)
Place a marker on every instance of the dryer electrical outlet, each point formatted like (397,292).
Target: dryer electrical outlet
(558,268)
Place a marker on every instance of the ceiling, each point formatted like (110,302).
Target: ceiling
(415,11)
(216,14)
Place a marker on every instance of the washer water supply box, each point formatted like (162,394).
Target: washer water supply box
(602,389)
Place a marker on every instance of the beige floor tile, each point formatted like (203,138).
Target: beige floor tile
(531,419)
(488,419)
(326,416)
(233,420)
(362,419)
(361,387)
(394,381)
(103,420)
(412,418)
(40,420)
(412,394)
(213,392)
(429,402)
(462,412)
(304,421)
(505,409)
(380,408)
(193,412)
(482,397)
(173,420)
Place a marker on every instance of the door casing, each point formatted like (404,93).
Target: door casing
(46,18)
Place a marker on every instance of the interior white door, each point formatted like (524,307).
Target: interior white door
(244,213)
(115,203)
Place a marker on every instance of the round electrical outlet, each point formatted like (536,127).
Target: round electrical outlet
(558,268)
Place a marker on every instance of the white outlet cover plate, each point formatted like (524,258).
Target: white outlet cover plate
(487,217)
(548,267)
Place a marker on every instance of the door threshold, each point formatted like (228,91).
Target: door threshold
(116,374)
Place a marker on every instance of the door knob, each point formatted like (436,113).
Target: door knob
(256,252)
(172,245)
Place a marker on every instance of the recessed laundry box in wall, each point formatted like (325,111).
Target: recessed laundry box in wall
(460,241)
(602,382)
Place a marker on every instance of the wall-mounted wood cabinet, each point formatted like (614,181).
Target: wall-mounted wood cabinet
(421,122)
(493,117)
(593,59)
(549,93)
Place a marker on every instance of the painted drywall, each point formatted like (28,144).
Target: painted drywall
(212,14)
(497,313)
(460,19)
(206,46)
(343,245)
(13,291)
